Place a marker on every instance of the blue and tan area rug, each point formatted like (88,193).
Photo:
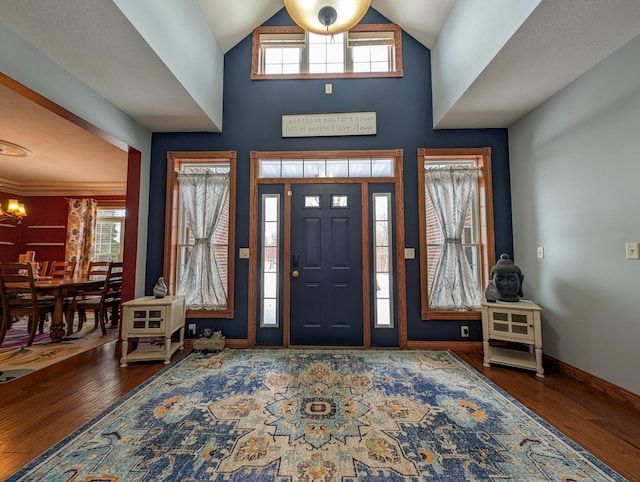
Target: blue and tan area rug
(317,415)
(17,359)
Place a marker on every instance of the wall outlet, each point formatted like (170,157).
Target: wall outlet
(192,328)
(464,331)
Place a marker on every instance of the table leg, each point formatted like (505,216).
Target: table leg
(57,320)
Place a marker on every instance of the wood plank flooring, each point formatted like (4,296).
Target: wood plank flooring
(38,410)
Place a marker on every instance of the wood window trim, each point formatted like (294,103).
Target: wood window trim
(175,159)
(383,27)
(487,239)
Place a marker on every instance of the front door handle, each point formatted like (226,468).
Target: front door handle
(295,260)
(295,273)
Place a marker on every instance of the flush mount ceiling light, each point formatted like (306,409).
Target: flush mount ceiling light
(327,17)
(13,150)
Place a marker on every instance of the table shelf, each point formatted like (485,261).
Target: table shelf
(516,322)
(153,317)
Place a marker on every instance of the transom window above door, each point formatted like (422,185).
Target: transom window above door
(326,167)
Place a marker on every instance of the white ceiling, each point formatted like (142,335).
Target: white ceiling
(95,42)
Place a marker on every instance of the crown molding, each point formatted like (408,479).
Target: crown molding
(99,188)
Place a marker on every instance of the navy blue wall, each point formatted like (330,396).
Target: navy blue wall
(252,121)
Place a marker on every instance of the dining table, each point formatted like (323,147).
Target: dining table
(61,288)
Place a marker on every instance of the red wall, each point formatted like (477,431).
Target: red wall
(41,211)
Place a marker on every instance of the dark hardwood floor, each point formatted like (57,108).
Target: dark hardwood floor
(38,410)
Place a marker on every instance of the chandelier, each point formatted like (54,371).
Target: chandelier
(15,212)
(327,17)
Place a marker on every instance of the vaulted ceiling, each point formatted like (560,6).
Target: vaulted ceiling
(102,44)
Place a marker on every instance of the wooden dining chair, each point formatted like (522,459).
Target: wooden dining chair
(107,300)
(62,269)
(20,298)
(44,267)
(98,270)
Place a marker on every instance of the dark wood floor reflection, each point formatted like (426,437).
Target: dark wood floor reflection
(38,410)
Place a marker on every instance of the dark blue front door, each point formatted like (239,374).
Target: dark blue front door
(326,265)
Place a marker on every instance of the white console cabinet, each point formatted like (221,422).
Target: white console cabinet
(152,317)
(518,322)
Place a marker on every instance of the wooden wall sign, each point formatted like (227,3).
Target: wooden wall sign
(332,124)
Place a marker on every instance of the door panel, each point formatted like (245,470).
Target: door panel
(326,265)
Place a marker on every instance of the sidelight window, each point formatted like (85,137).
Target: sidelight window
(270,270)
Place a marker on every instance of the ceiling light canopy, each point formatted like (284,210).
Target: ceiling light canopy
(327,17)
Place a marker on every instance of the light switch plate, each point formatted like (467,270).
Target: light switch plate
(633,250)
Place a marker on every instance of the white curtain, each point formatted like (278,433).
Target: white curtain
(203,196)
(452,189)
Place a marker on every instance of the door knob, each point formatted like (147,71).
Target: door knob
(295,273)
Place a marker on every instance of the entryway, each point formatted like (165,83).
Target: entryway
(327,251)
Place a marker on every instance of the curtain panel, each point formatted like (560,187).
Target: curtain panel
(203,197)
(452,189)
(81,233)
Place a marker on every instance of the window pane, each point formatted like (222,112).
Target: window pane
(382,233)
(382,208)
(361,54)
(382,285)
(273,56)
(379,53)
(270,259)
(312,201)
(271,234)
(382,167)
(317,54)
(292,168)
(313,168)
(271,209)
(270,284)
(339,201)
(359,167)
(269,312)
(269,169)
(291,56)
(383,312)
(337,168)
(291,69)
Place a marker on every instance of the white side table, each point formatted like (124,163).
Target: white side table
(519,322)
(153,317)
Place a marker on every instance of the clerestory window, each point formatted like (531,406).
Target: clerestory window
(289,52)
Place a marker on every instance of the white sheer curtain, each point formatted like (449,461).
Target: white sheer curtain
(203,196)
(452,189)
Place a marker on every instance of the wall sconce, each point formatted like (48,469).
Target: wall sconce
(15,212)
(327,17)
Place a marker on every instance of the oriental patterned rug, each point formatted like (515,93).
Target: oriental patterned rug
(317,415)
(17,359)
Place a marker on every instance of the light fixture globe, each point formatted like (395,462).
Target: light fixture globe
(316,15)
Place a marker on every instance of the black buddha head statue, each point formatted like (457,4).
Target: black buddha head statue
(505,281)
